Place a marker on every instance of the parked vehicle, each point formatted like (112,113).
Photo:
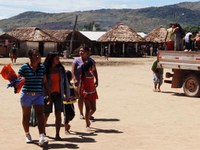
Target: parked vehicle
(185,70)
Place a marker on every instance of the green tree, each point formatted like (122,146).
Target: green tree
(92,26)
(193,29)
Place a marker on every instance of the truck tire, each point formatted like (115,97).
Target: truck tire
(191,86)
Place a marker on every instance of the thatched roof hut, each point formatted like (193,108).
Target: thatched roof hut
(27,38)
(65,35)
(121,41)
(60,35)
(32,34)
(121,33)
(64,39)
(157,35)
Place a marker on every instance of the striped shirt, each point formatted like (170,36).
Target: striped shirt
(34,79)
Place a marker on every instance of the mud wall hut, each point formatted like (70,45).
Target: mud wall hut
(6,44)
(27,38)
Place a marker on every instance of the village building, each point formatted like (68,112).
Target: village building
(94,36)
(155,40)
(121,40)
(27,38)
(67,37)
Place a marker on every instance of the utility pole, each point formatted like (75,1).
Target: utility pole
(72,37)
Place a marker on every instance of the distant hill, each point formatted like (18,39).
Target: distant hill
(191,6)
(146,19)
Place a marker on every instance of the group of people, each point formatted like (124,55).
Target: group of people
(177,40)
(174,37)
(49,84)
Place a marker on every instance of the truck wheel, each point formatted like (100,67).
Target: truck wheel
(191,86)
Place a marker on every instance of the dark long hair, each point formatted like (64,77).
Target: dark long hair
(182,32)
(49,61)
(85,67)
(69,76)
(31,52)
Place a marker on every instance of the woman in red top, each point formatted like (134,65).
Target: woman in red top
(58,89)
(88,90)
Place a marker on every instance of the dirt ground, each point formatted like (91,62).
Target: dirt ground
(130,116)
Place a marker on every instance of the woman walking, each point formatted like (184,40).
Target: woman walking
(59,89)
(33,94)
(88,90)
(76,72)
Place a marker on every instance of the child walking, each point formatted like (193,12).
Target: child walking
(88,90)
(157,76)
(69,112)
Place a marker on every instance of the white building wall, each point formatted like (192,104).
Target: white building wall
(25,47)
(49,46)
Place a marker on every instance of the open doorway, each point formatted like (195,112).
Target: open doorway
(41,48)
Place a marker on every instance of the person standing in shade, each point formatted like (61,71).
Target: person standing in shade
(33,94)
(106,53)
(13,53)
(76,72)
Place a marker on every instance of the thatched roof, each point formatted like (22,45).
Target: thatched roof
(121,33)
(31,34)
(60,35)
(157,35)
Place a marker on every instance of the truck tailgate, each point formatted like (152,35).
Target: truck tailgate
(179,60)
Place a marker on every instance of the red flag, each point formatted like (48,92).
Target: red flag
(9,74)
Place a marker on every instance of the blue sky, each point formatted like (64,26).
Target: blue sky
(9,8)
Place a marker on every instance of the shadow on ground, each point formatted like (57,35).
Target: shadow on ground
(177,94)
(106,119)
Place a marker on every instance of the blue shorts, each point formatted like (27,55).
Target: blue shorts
(28,100)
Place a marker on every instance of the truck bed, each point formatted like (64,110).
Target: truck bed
(179,60)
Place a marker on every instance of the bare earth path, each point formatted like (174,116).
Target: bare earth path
(130,116)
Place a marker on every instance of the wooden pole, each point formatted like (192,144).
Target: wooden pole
(102,47)
(72,37)
(123,49)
